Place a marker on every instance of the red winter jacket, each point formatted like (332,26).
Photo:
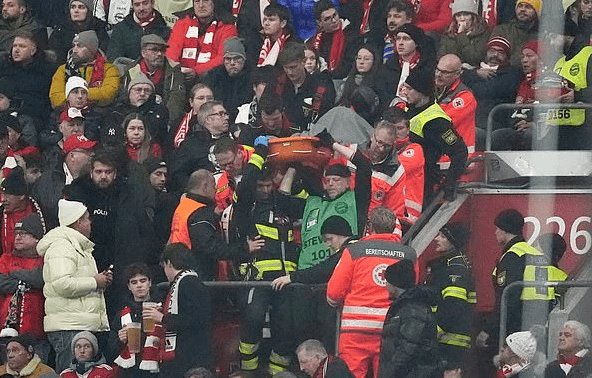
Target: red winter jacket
(434,15)
(99,371)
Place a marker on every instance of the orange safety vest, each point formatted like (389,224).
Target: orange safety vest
(179,229)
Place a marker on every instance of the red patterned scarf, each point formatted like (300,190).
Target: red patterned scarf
(236,7)
(155,77)
(98,71)
(269,52)
(364,27)
(197,49)
(337,47)
(489,13)
(413,61)
(183,129)
(149,355)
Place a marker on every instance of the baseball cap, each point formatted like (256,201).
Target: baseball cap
(70,114)
(78,142)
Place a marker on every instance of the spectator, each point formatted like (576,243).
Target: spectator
(199,95)
(112,12)
(413,51)
(21,281)
(127,34)
(366,17)
(362,296)
(73,287)
(28,66)
(22,360)
(494,83)
(163,73)
(228,82)
(142,100)
(165,202)
(451,276)
(313,63)
(17,204)
(574,358)
(334,40)
(88,360)
(584,16)
(314,361)
(232,159)
(433,16)
(16,18)
(188,44)
(71,122)
(277,30)
(303,16)
(517,356)
(145,363)
(367,71)
(306,96)
(75,163)
(80,18)
(436,135)
(86,60)
(398,13)
(194,152)
(523,27)
(16,141)
(139,143)
(199,373)
(409,346)
(185,315)
(467,34)
(260,78)
(456,99)
(10,106)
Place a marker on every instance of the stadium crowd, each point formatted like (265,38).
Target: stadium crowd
(138,146)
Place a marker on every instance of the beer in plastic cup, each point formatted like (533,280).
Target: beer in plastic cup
(134,337)
(149,323)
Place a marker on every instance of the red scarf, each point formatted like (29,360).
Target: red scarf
(337,47)
(145,22)
(98,71)
(322,369)
(236,7)
(155,77)
(364,27)
(413,61)
(571,360)
(490,12)
(269,52)
(526,92)
(148,355)
(197,49)
(183,130)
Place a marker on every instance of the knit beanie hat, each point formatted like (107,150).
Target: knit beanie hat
(152,164)
(421,81)
(233,47)
(416,33)
(510,221)
(31,224)
(337,170)
(537,5)
(88,39)
(469,6)
(500,43)
(89,4)
(26,340)
(87,336)
(9,120)
(15,183)
(401,274)
(457,234)
(523,344)
(336,225)
(140,79)
(75,82)
(533,45)
(70,211)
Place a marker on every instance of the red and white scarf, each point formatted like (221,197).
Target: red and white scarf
(364,27)
(145,22)
(406,67)
(236,7)
(337,47)
(196,49)
(269,53)
(149,355)
(489,12)
(168,343)
(183,130)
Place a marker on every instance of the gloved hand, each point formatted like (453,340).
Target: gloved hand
(262,140)
(326,139)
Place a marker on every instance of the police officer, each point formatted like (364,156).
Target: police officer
(259,221)
(450,275)
(432,128)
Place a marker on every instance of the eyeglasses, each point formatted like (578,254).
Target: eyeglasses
(221,113)
(445,72)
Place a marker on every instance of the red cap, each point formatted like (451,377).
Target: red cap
(70,114)
(78,142)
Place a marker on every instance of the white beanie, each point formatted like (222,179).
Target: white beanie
(75,82)
(523,344)
(87,336)
(470,6)
(70,211)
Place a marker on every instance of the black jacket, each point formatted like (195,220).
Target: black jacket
(60,40)
(409,346)
(126,36)
(320,273)
(232,91)
(583,369)
(48,190)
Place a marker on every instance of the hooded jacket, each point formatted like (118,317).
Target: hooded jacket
(126,36)
(72,299)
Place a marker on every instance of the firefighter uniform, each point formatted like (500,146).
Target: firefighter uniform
(263,217)
(358,281)
(412,159)
(451,276)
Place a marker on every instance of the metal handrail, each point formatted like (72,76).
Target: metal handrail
(535,107)
(504,298)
